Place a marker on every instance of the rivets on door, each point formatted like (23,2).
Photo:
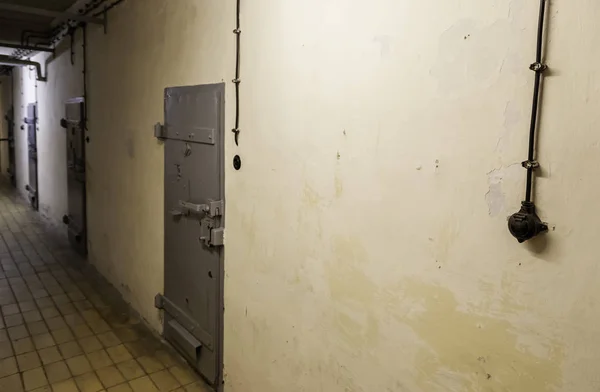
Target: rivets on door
(237,162)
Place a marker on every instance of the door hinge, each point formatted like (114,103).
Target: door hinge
(160,131)
(158,301)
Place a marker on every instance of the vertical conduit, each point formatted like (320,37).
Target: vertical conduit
(525,224)
(236,81)
(237,161)
(84,72)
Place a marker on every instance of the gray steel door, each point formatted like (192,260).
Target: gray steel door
(76,218)
(194,208)
(31,122)
(11,170)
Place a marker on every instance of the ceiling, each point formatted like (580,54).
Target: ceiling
(42,16)
(27,26)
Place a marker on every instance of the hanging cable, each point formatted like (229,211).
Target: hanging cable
(236,81)
(525,224)
(84,72)
(72,31)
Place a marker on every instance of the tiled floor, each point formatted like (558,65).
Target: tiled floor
(64,329)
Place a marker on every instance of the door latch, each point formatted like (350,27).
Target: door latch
(211,231)
(209,234)
(192,207)
(213,208)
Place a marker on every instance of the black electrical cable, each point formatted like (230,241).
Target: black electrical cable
(236,81)
(526,224)
(84,72)
(72,31)
(538,68)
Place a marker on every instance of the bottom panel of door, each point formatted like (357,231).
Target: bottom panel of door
(77,213)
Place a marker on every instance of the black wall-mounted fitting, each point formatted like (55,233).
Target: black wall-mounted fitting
(237,162)
(525,224)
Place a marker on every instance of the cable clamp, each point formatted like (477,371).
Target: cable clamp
(538,67)
(236,133)
(237,31)
(236,81)
(530,164)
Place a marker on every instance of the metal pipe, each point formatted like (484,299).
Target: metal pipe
(7,60)
(26,47)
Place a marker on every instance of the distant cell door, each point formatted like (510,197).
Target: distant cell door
(194,209)
(76,218)
(10,122)
(32,186)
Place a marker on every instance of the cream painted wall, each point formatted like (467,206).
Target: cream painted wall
(367,247)
(150,45)
(65,81)
(367,242)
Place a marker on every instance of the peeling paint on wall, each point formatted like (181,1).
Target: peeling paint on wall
(495,196)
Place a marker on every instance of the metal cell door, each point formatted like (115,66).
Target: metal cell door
(31,122)
(194,208)
(9,117)
(76,218)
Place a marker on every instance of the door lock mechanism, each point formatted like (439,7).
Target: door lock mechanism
(210,235)
(213,208)
(211,231)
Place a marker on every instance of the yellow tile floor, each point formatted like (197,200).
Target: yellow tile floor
(63,328)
